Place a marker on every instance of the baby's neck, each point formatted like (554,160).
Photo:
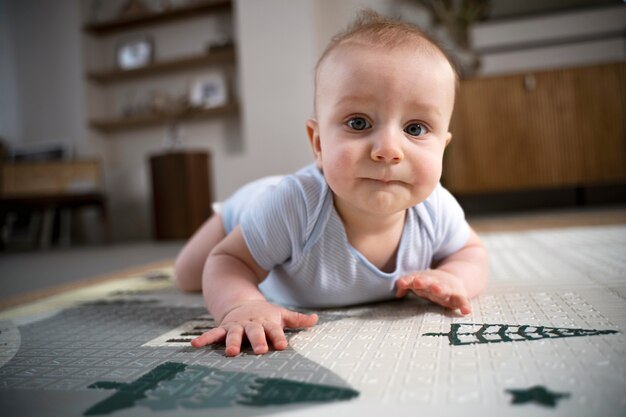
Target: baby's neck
(372,224)
(376,237)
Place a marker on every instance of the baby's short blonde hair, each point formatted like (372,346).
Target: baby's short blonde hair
(374,30)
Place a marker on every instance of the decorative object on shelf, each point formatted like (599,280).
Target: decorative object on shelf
(156,103)
(174,135)
(133,105)
(457,18)
(135,52)
(209,91)
(219,40)
(134,8)
(161,102)
(172,111)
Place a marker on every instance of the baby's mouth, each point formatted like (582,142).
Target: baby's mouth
(385,181)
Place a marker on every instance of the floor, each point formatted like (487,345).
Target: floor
(573,217)
(546,338)
(25,272)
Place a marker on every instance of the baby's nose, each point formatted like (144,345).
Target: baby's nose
(386,148)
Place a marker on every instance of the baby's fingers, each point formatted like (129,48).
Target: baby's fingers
(212,336)
(234,338)
(256,336)
(295,320)
(462,303)
(276,335)
(411,283)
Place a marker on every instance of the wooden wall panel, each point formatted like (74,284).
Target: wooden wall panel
(539,130)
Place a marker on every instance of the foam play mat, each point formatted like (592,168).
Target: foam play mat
(546,338)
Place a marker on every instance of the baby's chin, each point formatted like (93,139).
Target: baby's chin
(386,203)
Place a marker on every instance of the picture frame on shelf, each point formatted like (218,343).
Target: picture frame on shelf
(209,91)
(135,52)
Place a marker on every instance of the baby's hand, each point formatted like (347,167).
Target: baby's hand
(437,286)
(259,321)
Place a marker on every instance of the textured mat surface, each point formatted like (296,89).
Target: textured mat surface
(546,338)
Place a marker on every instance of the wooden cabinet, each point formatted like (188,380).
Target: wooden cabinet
(181,192)
(560,128)
(109,85)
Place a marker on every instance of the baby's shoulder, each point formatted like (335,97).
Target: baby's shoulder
(307,185)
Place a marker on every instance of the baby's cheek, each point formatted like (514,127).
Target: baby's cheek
(345,158)
(429,171)
(340,164)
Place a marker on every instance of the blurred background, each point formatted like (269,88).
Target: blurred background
(122,120)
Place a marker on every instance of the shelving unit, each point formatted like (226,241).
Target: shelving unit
(107,77)
(152,18)
(138,114)
(120,124)
(214,56)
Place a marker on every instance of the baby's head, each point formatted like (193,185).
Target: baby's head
(379,33)
(384,94)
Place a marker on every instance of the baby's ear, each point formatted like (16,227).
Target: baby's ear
(312,129)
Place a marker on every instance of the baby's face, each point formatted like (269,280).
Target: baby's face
(382,126)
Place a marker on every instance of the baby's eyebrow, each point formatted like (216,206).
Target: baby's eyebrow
(427,109)
(419,106)
(350,99)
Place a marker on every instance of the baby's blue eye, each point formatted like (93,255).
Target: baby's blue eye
(358,123)
(415,129)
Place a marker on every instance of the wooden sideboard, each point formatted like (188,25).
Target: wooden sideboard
(539,130)
(50,188)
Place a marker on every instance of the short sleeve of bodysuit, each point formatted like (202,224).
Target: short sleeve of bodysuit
(451,230)
(274,224)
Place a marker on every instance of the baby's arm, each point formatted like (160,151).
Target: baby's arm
(230,286)
(191,259)
(455,279)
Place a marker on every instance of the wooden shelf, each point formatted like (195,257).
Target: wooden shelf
(127,123)
(215,56)
(151,18)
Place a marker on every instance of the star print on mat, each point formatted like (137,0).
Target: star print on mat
(537,394)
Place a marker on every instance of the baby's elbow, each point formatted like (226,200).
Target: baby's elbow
(187,279)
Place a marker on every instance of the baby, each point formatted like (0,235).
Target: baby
(367,222)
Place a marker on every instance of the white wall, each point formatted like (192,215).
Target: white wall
(9,116)
(276,59)
(332,16)
(42,73)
